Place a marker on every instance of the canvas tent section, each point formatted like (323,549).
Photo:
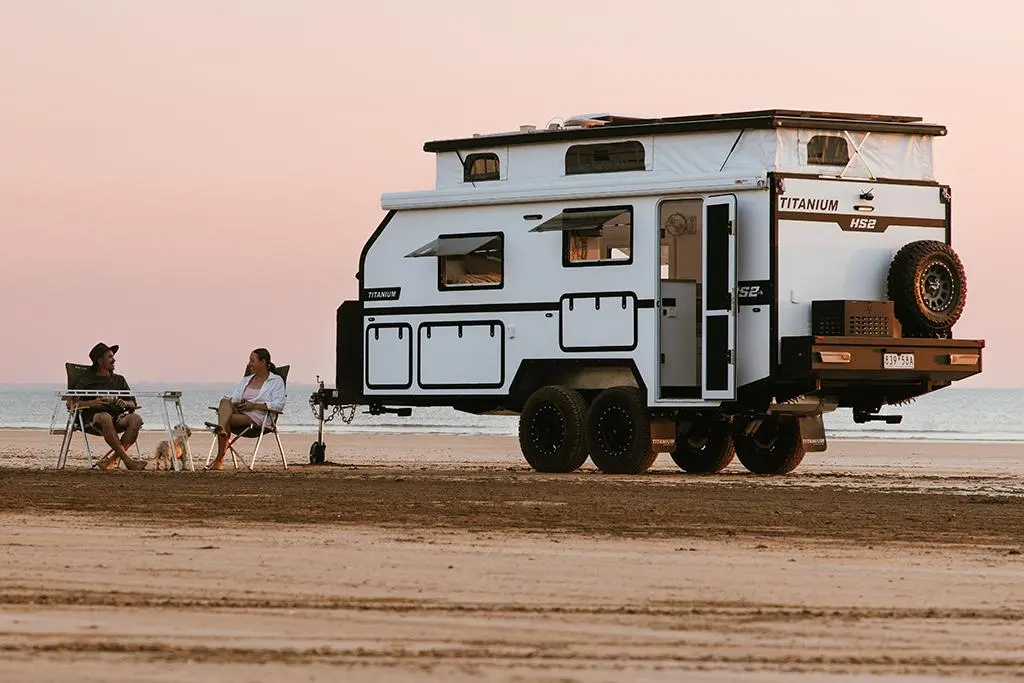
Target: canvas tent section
(869,155)
(700,147)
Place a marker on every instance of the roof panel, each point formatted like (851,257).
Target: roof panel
(617,126)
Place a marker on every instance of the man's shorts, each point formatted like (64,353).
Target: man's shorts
(120,421)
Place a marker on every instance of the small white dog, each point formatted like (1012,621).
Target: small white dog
(162,459)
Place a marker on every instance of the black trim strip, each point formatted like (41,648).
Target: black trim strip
(369,243)
(848,221)
(524,307)
(774,180)
(946,197)
(883,181)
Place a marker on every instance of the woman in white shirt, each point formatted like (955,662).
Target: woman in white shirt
(260,391)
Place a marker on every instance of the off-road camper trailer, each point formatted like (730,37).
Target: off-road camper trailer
(719,281)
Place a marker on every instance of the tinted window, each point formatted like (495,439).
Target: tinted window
(481,167)
(828,150)
(605,157)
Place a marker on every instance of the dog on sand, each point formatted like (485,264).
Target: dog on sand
(162,460)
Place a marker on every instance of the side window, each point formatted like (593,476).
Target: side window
(605,157)
(828,150)
(480,167)
(480,267)
(608,240)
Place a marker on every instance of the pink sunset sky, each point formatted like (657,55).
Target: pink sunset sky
(193,179)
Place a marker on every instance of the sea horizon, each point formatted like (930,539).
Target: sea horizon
(953,414)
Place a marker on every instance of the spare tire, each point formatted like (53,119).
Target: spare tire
(928,288)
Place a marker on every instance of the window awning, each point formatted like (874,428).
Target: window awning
(454,246)
(578,220)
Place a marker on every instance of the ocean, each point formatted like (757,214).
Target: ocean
(952,414)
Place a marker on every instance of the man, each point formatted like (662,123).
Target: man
(110,415)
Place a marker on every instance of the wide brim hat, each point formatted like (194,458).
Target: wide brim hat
(100,349)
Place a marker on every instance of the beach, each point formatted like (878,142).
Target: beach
(420,556)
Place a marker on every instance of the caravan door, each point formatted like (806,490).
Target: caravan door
(718,348)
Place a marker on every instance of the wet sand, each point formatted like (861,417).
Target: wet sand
(420,557)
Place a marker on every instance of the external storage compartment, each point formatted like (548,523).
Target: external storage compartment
(389,356)
(849,318)
(598,322)
(461,355)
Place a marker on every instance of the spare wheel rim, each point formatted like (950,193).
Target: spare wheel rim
(937,286)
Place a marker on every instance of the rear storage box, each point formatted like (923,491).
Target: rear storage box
(849,318)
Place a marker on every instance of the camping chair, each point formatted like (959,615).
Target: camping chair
(269,426)
(76,422)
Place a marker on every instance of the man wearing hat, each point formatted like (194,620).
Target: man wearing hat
(110,415)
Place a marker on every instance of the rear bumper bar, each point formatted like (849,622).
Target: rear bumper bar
(883,360)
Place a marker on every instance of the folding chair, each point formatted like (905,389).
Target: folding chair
(269,426)
(76,421)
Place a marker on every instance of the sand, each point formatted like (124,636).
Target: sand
(419,557)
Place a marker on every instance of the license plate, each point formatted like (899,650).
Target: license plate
(898,361)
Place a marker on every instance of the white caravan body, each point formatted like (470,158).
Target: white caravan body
(693,258)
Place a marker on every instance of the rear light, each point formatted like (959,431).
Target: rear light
(835,356)
(963,358)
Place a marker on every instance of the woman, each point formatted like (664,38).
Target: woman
(259,391)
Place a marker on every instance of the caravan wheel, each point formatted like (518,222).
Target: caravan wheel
(551,429)
(705,448)
(775,447)
(619,432)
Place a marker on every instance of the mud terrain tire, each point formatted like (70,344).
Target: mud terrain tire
(928,287)
(619,432)
(706,448)
(551,428)
(775,448)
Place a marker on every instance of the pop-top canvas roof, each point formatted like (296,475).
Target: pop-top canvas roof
(609,125)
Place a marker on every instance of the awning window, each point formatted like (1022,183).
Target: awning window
(579,220)
(455,246)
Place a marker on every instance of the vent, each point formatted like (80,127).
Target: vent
(850,318)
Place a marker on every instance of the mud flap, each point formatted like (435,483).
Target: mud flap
(812,433)
(349,352)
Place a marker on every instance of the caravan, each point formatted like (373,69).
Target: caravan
(702,285)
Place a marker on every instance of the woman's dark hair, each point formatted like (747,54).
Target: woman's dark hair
(264,356)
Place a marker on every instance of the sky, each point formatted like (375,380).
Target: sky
(193,179)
